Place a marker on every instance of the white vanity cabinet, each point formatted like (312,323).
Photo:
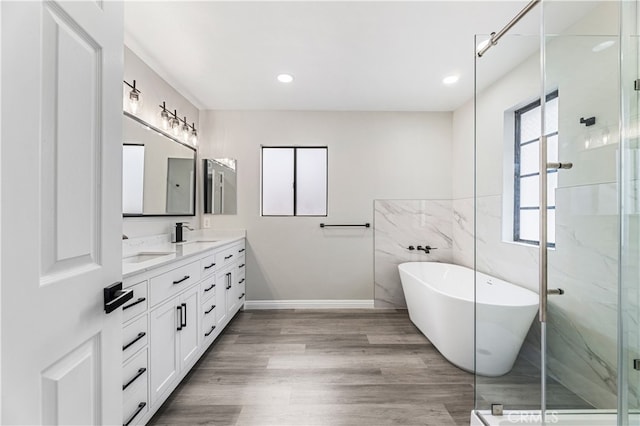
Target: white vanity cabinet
(178,309)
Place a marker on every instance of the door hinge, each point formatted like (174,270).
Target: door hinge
(636,85)
(636,364)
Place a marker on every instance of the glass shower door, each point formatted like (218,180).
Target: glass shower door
(580,358)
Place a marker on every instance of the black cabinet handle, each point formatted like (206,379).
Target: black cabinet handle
(210,309)
(179,308)
(228,280)
(186,277)
(138,374)
(207,289)
(228,257)
(184,312)
(240,251)
(130,305)
(241,281)
(114,297)
(138,337)
(241,296)
(210,331)
(210,266)
(241,266)
(140,407)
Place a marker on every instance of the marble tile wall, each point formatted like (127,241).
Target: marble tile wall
(399,224)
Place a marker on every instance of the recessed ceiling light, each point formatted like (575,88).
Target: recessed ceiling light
(451,79)
(602,46)
(285,78)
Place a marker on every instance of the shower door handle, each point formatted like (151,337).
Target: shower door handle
(557,291)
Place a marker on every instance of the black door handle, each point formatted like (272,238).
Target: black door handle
(115,296)
(179,308)
(184,306)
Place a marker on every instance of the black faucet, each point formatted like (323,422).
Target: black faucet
(426,249)
(179,234)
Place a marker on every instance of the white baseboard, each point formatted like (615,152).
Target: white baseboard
(308,304)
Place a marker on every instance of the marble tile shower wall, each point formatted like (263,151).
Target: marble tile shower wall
(399,224)
(581,323)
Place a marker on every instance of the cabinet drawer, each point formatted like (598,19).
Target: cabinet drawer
(207,288)
(134,380)
(208,265)
(134,337)
(172,282)
(138,304)
(227,256)
(135,403)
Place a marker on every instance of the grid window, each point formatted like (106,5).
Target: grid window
(294,181)
(527,170)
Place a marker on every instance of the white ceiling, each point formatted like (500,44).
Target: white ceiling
(358,56)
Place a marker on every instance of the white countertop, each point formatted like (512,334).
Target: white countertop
(197,242)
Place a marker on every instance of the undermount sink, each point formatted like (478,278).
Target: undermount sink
(144,256)
(200,241)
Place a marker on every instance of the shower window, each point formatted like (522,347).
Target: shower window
(294,181)
(527,171)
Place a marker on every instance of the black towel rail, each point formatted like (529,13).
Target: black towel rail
(364,225)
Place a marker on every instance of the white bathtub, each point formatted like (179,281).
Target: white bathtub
(440,300)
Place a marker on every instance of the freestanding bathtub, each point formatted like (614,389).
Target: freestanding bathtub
(440,300)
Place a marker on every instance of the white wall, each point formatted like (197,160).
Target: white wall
(372,155)
(155,90)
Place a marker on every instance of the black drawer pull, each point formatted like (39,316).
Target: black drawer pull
(138,374)
(240,251)
(241,296)
(210,266)
(228,257)
(140,407)
(241,281)
(186,277)
(207,289)
(241,266)
(138,337)
(210,309)
(210,331)
(130,305)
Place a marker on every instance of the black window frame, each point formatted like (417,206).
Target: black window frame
(516,168)
(295,188)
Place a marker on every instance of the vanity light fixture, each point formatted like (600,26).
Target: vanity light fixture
(135,97)
(170,121)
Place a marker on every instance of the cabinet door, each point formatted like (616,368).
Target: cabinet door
(222,284)
(188,335)
(165,363)
(232,293)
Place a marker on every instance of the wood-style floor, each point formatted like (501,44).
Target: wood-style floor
(316,367)
(333,367)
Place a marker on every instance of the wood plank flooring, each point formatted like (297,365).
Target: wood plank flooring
(325,367)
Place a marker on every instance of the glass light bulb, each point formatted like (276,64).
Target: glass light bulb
(174,125)
(164,119)
(186,131)
(194,137)
(135,101)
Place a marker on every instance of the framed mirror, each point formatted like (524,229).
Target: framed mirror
(158,172)
(220,185)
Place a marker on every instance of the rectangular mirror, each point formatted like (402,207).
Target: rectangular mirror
(158,172)
(220,194)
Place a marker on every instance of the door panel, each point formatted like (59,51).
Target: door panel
(189,335)
(165,363)
(61,78)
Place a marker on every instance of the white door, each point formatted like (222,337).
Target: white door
(222,284)
(60,215)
